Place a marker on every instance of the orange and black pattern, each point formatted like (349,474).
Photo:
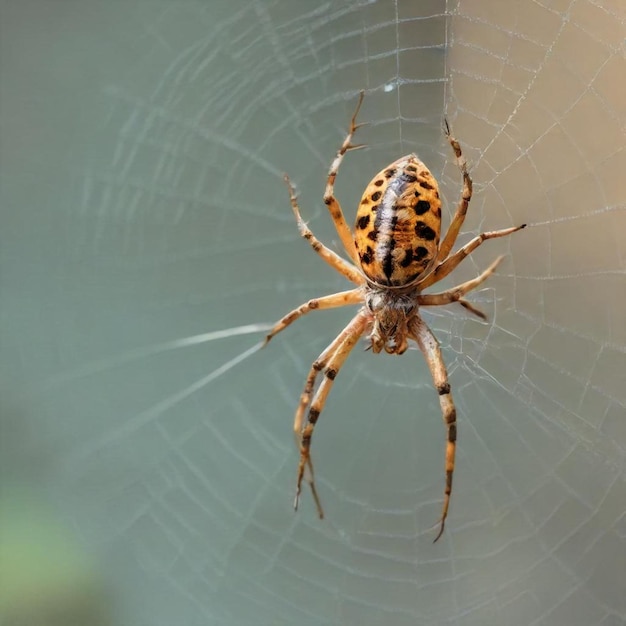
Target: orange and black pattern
(398,223)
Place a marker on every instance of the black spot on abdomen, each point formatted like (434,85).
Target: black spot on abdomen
(419,253)
(425,183)
(408,258)
(368,256)
(424,231)
(421,207)
(363,221)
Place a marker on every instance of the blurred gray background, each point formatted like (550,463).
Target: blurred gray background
(147,461)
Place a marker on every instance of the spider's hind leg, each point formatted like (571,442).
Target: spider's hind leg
(429,346)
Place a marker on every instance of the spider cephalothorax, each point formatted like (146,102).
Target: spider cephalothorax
(391,313)
(396,254)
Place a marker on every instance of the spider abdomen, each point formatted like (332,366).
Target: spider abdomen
(398,223)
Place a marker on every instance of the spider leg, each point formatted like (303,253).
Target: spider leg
(342,298)
(343,230)
(331,361)
(456,293)
(429,346)
(472,309)
(461,209)
(332,258)
(445,267)
(305,400)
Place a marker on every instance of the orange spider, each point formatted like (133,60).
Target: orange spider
(395,254)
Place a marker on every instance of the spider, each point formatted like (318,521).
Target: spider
(395,254)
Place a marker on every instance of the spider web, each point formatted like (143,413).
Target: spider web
(148,464)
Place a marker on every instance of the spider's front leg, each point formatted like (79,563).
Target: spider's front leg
(429,346)
(332,258)
(466,195)
(343,230)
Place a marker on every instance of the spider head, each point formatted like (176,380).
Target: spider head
(390,313)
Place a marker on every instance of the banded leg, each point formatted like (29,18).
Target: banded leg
(343,230)
(331,361)
(332,258)
(342,298)
(461,209)
(305,399)
(429,346)
(456,293)
(444,268)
